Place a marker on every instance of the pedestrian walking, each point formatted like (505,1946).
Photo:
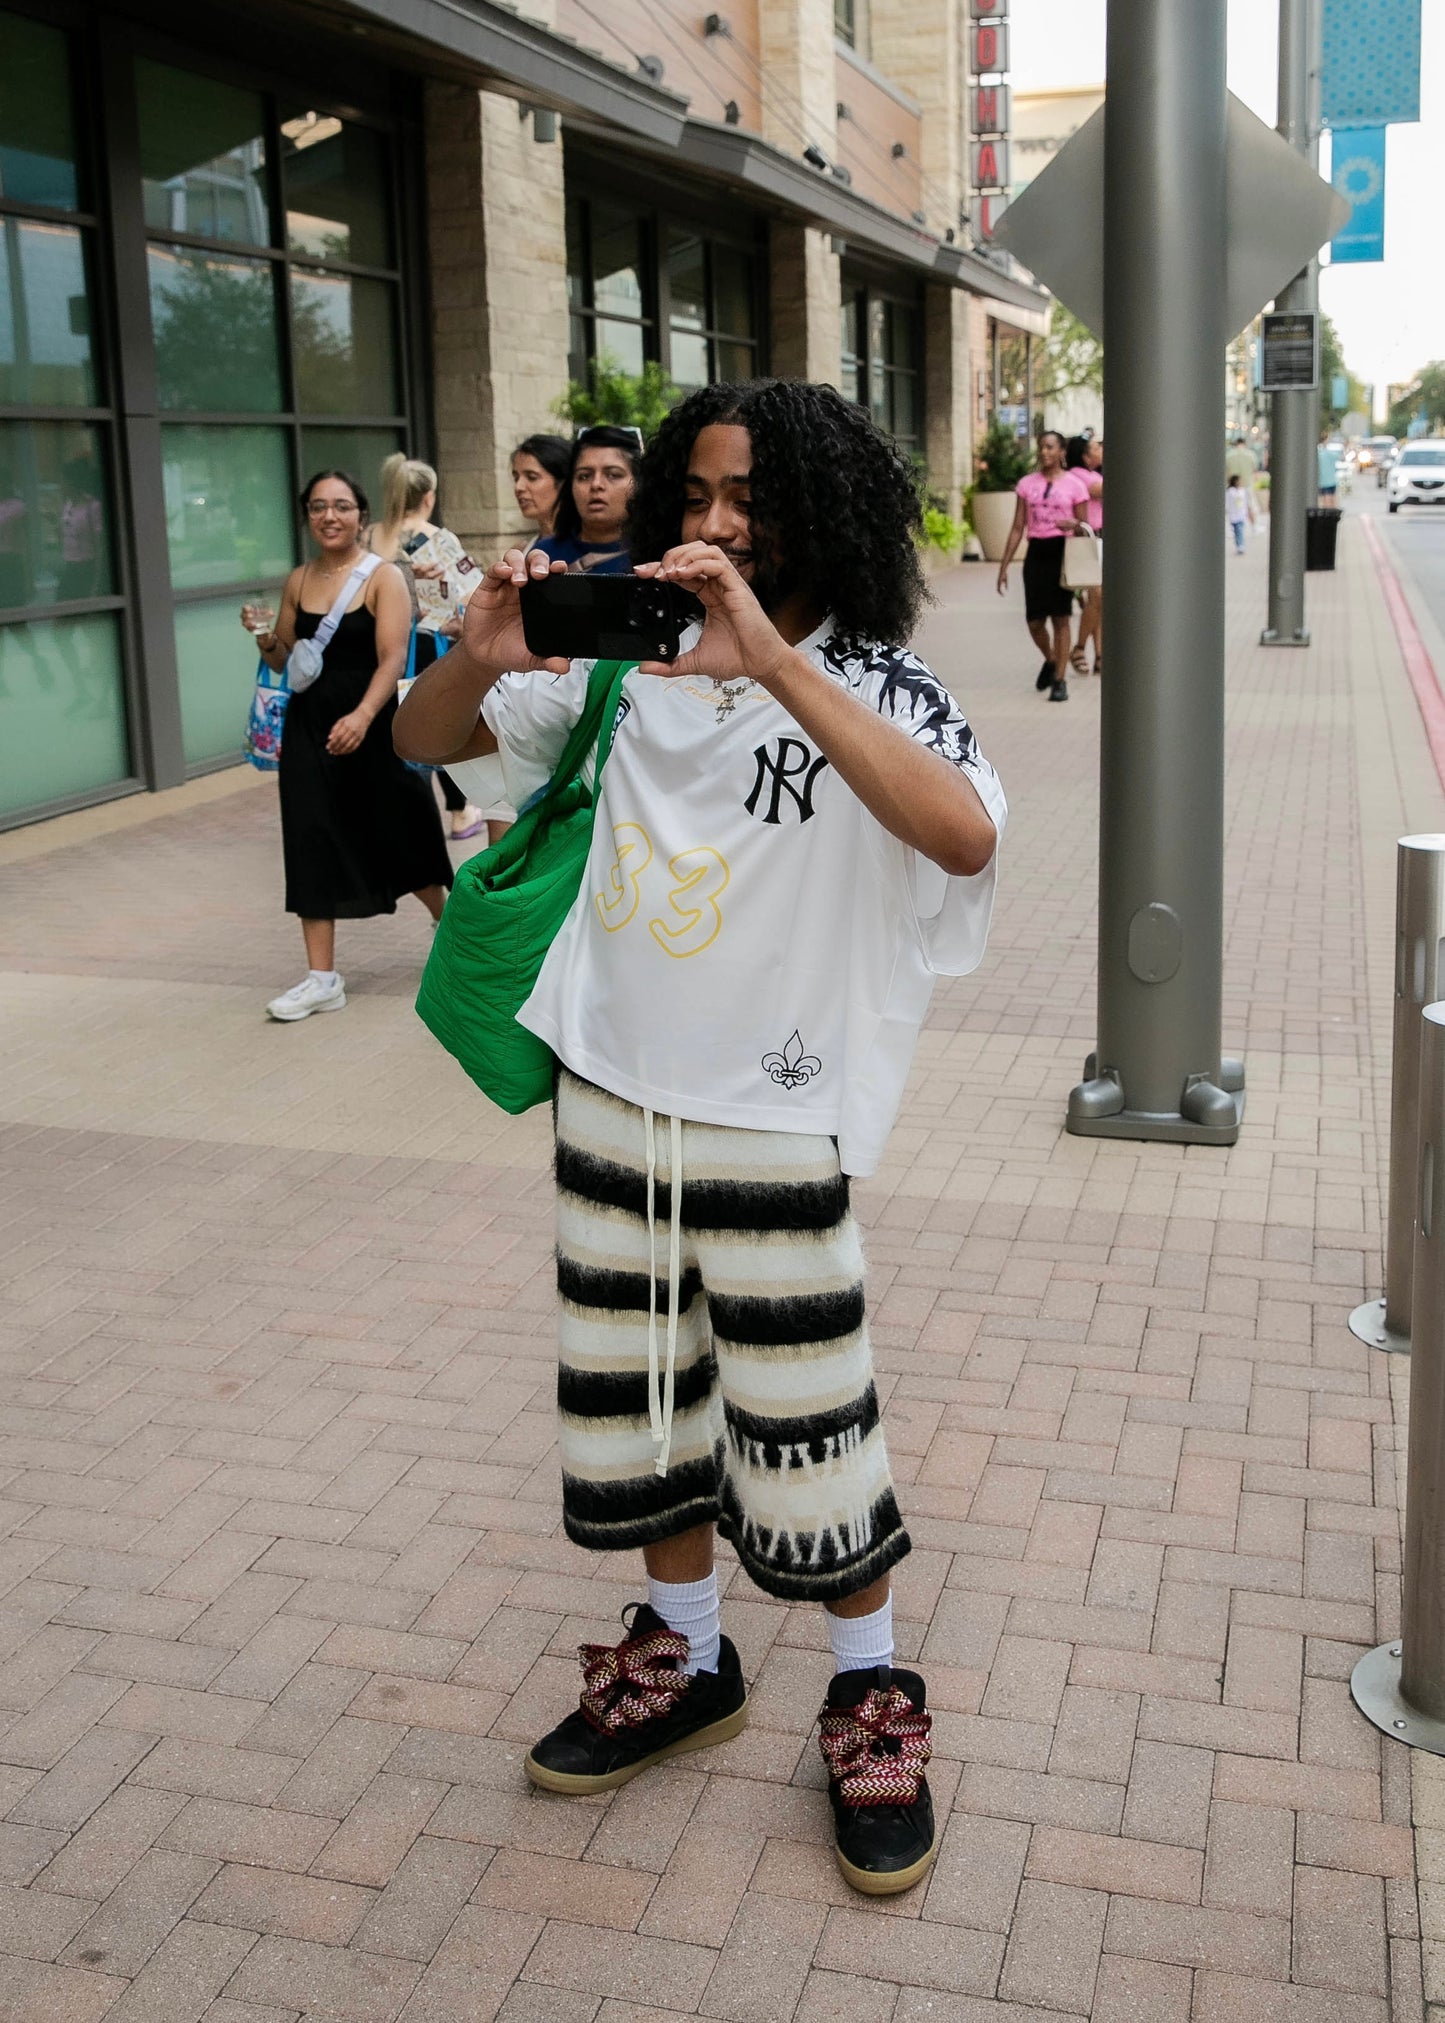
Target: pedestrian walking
(1085,458)
(358,827)
(1328,459)
(1238,509)
(408,500)
(588,532)
(1051,506)
(795,833)
(541,470)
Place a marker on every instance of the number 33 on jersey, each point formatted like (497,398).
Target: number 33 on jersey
(699,878)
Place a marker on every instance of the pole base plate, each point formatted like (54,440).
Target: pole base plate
(1368,1323)
(1268,638)
(1151,1124)
(1375,1690)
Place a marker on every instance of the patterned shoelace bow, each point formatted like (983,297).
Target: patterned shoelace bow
(877,1751)
(628,1683)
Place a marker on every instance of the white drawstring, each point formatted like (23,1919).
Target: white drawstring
(660,1397)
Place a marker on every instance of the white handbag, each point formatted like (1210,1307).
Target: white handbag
(303,667)
(1083,562)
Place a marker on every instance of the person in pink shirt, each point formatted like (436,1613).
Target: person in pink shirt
(1085,458)
(1052,504)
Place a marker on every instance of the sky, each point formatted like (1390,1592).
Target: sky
(1391,314)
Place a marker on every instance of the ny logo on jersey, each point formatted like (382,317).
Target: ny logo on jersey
(784,762)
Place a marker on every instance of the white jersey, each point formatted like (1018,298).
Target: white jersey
(749,945)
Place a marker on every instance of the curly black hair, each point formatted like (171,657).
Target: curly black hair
(833,496)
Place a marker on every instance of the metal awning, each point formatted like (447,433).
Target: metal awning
(486,43)
(783,182)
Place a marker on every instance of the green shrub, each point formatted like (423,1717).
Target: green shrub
(1001,459)
(940,530)
(626,399)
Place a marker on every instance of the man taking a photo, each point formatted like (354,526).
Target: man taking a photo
(795,834)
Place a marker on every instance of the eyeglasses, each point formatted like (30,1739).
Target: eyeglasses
(316,507)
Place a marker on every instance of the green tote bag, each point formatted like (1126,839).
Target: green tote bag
(504,913)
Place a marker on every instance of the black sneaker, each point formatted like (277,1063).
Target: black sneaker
(638,1706)
(1059,692)
(1045,677)
(875,1740)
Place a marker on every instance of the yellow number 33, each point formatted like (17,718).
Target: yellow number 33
(702,877)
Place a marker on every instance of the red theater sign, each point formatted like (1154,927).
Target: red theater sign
(991,109)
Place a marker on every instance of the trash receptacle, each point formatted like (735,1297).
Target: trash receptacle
(1322,525)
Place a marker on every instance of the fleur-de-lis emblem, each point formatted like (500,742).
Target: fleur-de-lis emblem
(792,1067)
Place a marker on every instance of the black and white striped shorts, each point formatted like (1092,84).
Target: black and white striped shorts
(774,1430)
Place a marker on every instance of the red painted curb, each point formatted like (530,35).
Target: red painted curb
(1418,664)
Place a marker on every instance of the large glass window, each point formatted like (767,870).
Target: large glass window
(63,694)
(203,155)
(37,132)
(55,545)
(214,318)
(62,689)
(344,343)
(338,196)
(229,511)
(642,286)
(880,358)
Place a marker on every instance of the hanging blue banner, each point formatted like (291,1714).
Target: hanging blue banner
(1358,173)
(1371,70)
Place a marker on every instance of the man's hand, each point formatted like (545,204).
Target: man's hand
(739,641)
(492,624)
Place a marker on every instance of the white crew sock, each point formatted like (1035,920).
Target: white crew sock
(327,978)
(861,1641)
(692,1608)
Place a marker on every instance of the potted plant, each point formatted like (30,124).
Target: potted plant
(1001,460)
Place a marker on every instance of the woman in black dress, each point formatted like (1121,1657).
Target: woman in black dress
(358,826)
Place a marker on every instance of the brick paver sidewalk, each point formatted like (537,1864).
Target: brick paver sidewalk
(283,1592)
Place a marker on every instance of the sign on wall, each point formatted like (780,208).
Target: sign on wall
(990,107)
(1289,351)
(988,45)
(1371,67)
(990,165)
(1358,173)
(989,10)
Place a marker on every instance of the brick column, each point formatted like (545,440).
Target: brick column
(795,48)
(498,253)
(806,298)
(948,391)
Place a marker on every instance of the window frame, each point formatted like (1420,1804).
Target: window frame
(867,292)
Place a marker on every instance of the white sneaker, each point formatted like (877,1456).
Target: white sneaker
(308,996)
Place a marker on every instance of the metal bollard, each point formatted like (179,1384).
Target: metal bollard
(1401,1686)
(1419,981)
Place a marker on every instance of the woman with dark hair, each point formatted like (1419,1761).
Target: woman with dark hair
(358,827)
(1051,507)
(1085,458)
(541,467)
(588,531)
(794,835)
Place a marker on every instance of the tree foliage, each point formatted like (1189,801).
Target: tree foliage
(1332,367)
(610,394)
(1073,358)
(1426,397)
(1001,459)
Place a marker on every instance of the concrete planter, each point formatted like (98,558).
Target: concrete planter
(993,514)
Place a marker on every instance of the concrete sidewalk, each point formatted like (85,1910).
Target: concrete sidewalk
(283,1591)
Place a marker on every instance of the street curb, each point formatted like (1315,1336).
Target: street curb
(1418,664)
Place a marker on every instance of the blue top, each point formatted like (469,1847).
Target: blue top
(586,558)
(1329,467)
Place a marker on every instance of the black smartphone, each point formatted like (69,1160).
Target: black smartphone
(606,617)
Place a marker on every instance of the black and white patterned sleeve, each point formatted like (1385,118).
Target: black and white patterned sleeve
(902,688)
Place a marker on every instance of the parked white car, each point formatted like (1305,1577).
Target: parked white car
(1417,476)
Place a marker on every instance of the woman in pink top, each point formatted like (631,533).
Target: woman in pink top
(1085,460)
(1052,503)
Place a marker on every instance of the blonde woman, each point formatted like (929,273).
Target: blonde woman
(408,500)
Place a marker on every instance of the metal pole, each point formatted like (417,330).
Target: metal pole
(1419,980)
(1294,417)
(1157,1072)
(1401,1686)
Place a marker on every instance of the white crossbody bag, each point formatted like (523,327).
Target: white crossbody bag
(304,664)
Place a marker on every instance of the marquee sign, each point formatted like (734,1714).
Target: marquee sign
(990,104)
